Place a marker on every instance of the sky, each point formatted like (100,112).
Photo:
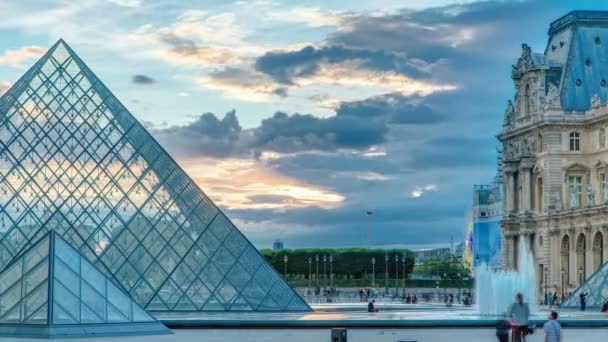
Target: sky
(298,117)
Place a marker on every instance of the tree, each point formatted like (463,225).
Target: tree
(446,267)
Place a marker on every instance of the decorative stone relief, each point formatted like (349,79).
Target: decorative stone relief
(595,101)
(590,197)
(552,99)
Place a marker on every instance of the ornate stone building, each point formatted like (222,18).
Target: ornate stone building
(555,153)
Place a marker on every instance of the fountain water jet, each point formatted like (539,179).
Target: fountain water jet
(496,290)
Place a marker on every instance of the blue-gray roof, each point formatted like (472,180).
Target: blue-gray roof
(586,71)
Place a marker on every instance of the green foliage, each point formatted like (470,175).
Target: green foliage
(348,263)
(446,267)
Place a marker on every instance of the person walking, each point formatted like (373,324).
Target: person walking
(553,331)
(502,329)
(520,313)
(583,300)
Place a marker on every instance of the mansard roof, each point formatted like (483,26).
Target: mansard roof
(584,37)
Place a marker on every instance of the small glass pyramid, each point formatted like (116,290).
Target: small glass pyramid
(596,288)
(51,290)
(74,160)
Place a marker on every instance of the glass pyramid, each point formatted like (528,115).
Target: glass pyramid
(596,288)
(53,291)
(74,160)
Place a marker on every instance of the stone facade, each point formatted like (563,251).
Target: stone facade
(555,153)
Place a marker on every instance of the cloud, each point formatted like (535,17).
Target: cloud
(303,132)
(399,109)
(243,83)
(17,58)
(127,3)
(284,67)
(336,65)
(206,136)
(4,86)
(246,184)
(143,80)
(420,190)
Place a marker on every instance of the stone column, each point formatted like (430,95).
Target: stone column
(588,251)
(510,193)
(605,242)
(527,190)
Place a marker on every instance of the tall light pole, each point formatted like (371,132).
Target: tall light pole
(285,262)
(459,285)
(580,275)
(324,271)
(403,262)
(396,275)
(386,273)
(546,271)
(563,272)
(317,277)
(309,272)
(331,272)
(373,271)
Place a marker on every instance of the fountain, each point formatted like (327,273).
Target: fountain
(496,290)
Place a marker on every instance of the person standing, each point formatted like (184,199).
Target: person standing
(583,300)
(520,312)
(553,331)
(555,299)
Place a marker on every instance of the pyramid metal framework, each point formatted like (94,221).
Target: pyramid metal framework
(51,290)
(74,160)
(596,288)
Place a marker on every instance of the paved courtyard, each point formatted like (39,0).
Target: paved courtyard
(321,335)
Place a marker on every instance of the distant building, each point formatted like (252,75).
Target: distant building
(487,213)
(277,245)
(459,249)
(425,254)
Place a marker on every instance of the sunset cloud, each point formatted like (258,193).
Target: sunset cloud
(17,58)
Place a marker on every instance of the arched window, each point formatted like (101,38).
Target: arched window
(598,251)
(540,143)
(602,138)
(565,262)
(575,141)
(581,257)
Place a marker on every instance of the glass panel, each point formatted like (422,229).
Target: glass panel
(119,300)
(65,299)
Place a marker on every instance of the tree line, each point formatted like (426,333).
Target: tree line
(348,263)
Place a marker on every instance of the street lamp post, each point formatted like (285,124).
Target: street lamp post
(373,271)
(580,275)
(403,262)
(563,272)
(386,274)
(285,264)
(317,277)
(445,290)
(396,275)
(546,271)
(309,272)
(324,272)
(331,272)
(459,285)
